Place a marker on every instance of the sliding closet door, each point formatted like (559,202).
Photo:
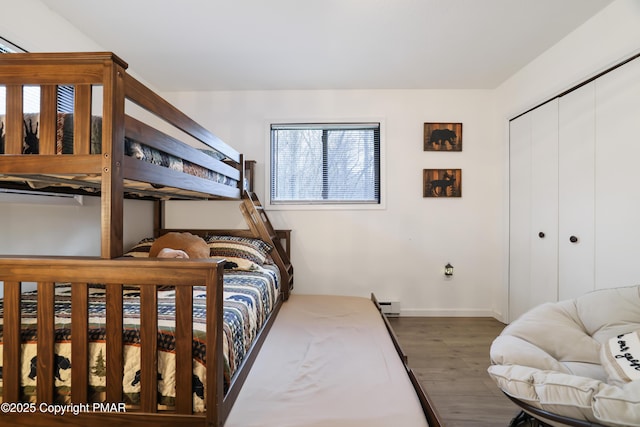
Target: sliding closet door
(618,177)
(576,192)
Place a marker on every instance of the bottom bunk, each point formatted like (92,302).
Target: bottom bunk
(330,361)
(189,331)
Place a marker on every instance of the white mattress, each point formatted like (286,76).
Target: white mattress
(328,361)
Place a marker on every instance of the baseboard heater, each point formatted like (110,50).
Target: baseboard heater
(390,308)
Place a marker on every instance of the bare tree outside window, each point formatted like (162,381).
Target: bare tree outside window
(325,163)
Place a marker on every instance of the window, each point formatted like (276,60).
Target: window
(325,163)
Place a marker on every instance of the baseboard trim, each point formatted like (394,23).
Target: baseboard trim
(445,312)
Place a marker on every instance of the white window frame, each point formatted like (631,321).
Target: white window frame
(322,206)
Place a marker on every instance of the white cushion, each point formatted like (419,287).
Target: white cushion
(618,405)
(559,393)
(560,357)
(516,381)
(609,312)
(542,326)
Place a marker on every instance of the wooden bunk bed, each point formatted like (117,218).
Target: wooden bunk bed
(126,157)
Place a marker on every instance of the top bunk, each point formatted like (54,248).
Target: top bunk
(114,137)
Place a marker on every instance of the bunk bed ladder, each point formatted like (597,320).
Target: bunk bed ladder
(261,227)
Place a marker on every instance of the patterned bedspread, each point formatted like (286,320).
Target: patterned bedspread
(249,297)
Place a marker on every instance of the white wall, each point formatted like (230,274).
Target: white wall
(34,27)
(399,252)
(74,230)
(608,38)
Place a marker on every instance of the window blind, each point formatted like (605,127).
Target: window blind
(325,163)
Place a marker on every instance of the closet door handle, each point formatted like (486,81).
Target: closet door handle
(541,235)
(573,239)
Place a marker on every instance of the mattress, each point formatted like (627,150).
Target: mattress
(328,361)
(249,297)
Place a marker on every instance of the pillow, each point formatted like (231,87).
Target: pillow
(141,250)
(620,357)
(238,248)
(193,245)
(242,253)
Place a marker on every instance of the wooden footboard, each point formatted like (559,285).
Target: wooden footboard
(115,274)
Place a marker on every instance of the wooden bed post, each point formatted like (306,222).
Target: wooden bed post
(215,383)
(158,217)
(12,342)
(112,159)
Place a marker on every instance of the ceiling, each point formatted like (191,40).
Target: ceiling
(326,44)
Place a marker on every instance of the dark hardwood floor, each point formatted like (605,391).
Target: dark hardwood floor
(450,357)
